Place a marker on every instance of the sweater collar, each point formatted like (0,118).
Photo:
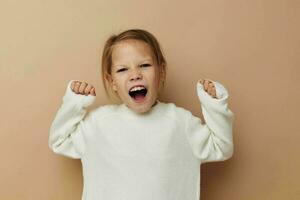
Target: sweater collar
(154,109)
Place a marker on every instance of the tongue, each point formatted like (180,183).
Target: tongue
(139,97)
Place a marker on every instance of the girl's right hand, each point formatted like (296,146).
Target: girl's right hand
(83,88)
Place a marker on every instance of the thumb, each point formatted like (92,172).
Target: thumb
(93,92)
(201,81)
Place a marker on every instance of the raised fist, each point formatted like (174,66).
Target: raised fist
(83,88)
(209,87)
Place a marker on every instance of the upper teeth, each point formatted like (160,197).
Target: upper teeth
(137,88)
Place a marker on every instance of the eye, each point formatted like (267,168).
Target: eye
(145,65)
(120,70)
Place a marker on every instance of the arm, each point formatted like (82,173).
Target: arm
(66,132)
(212,141)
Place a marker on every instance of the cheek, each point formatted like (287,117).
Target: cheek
(120,85)
(155,82)
(154,75)
(114,85)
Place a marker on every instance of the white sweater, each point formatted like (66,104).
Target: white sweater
(128,156)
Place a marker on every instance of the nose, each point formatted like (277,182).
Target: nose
(136,74)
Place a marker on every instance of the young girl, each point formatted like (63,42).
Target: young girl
(141,149)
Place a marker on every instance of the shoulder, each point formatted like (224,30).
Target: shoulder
(104,111)
(178,112)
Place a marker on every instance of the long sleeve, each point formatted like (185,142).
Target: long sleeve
(69,125)
(212,141)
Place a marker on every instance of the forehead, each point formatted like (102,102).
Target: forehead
(131,50)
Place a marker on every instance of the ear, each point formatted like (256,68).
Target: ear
(111,81)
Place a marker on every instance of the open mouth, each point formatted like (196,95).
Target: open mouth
(139,94)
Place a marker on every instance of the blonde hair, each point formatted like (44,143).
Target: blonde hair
(136,34)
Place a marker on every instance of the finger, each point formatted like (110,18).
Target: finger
(72,85)
(205,85)
(93,91)
(212,92)
(88,89)
(213,89)
(76,87)
(211,84)
(209,90)
(201,81)
(82,87)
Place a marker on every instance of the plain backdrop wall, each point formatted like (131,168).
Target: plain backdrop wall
(250,46)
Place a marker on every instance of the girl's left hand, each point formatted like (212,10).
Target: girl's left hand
(209,87)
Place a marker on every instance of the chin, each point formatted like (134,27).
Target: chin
(142,108)
(140,111)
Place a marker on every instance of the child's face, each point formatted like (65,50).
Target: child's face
(133,64)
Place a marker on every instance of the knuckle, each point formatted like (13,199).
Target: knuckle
(87,91)
(77,84)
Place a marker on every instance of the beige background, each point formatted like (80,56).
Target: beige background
(250,46)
